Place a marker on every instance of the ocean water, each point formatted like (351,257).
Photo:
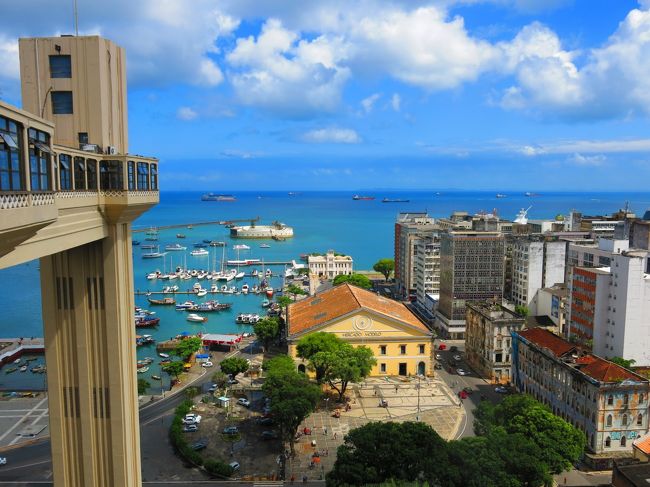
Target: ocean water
(321,221)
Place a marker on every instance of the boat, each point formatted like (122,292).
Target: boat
(23,368)
(146,321)
(185,305)
(163,355)
(135,242)
(153,255)
(244,289)
(175,247)
(241,247)
(266,303)
(268,273)
(265,246)
(199,253)
(499,195)
(217,197)
(11,370)
(156,377)
(357,197)
(170,289)
(39,369)
(17,361)
(216,243)
(269,292)
(200,245)
(530,195)
(162,301)
(201,292)
(246,318)
(180,235)
(147,247)
(394,200)
(240,275)
(143,370)
(196,318)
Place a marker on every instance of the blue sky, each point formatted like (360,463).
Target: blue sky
(476,94)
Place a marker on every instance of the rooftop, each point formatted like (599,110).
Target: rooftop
(341,300)
(495,311)
(550,341)
(643,444)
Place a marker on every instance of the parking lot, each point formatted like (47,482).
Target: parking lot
(23,419)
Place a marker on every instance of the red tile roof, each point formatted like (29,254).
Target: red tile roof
(604,370)
(545,339)
(643,444)
(341,300)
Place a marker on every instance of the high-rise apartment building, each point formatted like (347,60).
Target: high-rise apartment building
(71,205)
(409,227)
(427,273)
(471,269)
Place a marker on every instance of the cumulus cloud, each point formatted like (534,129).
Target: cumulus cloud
(368,103)
(331,135)
(396,102)
(186,113)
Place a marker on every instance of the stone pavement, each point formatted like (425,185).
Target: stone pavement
(437,407)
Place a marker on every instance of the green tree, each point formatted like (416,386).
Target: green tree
(279,363)
(377,452)
(322,342)
(623,362)
(267,330)
(283,301)
(187,347)
(384,267)
(234,365)
(220,379)
(345,365)
(143,385)
(293,398)
(190,392)
(295,291)
(358,280)
(174,368)
(522,310)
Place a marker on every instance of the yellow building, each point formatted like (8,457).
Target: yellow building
(401,343)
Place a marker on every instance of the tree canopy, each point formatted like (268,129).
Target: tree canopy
(174,368)
(384,267)
(345,365)
(315,343)
(358,280)
(295,291)
(623,362)
(234,365)
(267,330)
(187,347)
(143,385)
(522,310)
(283,301)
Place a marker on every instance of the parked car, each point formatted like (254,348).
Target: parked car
(501,390)
(437,366)
(230,430)
(461,372)
(244,402)
(458,357)
(468,390)
(234,466)
(232,380)
(453,348)
(189,428)
(442,346)
(199,445)
(269,435)
(265,421)
(207,363)
(438,356)
(213,388)
(3,460)
(191,418)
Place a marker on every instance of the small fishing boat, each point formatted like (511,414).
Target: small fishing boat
(266,303)
(143,370)
(180,235)
(143,322)
(244,289)
(201,292)
(39,369)
(199,253)
(265,246)
(269,292)
(147,247)
(163,355)
(196,318)
(162,301)
(153,255)
(216,243)
(175,247)
(23,368)
(11,370)
(240,275)
(17,361)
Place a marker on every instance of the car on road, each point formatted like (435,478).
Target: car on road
(438,356)
(234,466)
(200,444)
(242,401)
(501,390)
(462,394)
(461,372)
(453,348)
(207,363)
(230,430)
(265,421)
(269,435)
(213,388)
(189,428)
(3,460)
(191,418)
(442,346)
(458,357)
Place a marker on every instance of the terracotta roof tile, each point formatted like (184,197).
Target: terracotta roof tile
(604,370)
(545,339)
(341,300)
(643,444)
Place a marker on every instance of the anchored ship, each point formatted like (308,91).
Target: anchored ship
(217,197)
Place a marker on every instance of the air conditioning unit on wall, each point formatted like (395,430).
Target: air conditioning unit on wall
(111,150)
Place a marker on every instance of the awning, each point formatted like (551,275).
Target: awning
(42,146)
(219,339)
(9,140)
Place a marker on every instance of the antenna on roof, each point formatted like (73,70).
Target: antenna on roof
(76,19)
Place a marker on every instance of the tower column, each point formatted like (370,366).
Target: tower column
(87,295)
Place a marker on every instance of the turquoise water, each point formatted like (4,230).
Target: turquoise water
(321,221)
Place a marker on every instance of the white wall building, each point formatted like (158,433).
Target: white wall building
(330,265)
(427,269)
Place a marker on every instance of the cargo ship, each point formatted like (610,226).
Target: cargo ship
(357,197)
(217,197)
(275,230)
(394,200)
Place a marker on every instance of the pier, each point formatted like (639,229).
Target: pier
(13,348)
(197,224)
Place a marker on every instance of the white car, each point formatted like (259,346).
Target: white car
(244,402)
(190,428)
(438,356)
(501,390)
(207,363)
(234,466)
(192,418)
(3,460)
(461,372)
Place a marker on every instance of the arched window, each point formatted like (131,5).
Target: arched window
(639,419)
(623,440)
(624,420)
(610,400)
(302,369)
(626,399)
(608,442)
(609,420)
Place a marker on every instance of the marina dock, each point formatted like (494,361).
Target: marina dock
(197,224)
(13,348)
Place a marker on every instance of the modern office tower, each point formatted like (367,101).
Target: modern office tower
(536,263)
(427,273)
(488,340)
(71,206)
(471,269)
(408,228)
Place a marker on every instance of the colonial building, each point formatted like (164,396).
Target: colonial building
(330,265)
(607,402)
(488,346)
(401,344)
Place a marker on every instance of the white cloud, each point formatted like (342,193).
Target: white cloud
(396,102)
(529,150)
(580,160)
(331,135)
(186,113)
(239,154)
(368,103)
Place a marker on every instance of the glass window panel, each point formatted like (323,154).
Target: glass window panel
(61,102)
(60,66)
(4,181)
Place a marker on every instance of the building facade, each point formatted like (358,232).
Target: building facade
(409,227)
(330,265)
(471,269)
(71,204)
(427,272)
(552,302)
(607,402)
(488,339)
(401,344)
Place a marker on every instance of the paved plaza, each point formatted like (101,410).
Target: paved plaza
(438,407)
(23,419)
